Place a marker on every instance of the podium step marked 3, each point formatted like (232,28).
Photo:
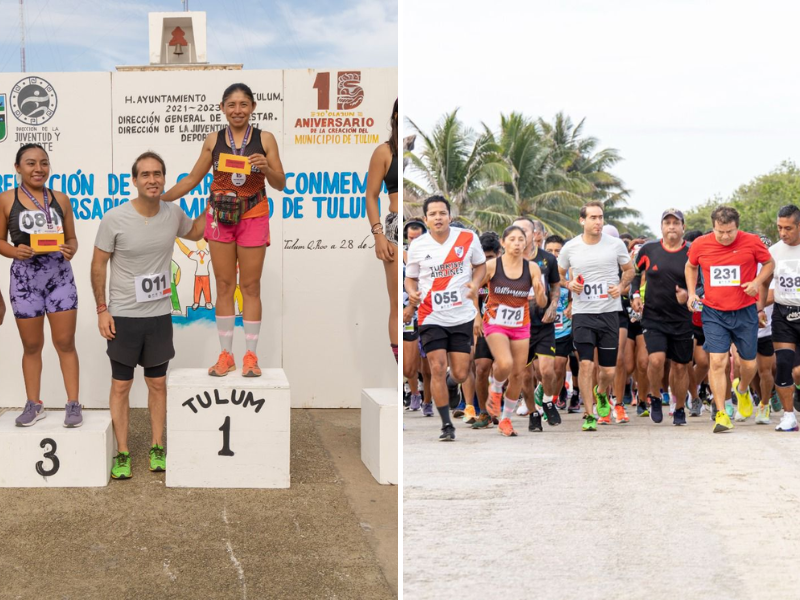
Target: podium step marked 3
(228,432)
(49,455)
(379,423)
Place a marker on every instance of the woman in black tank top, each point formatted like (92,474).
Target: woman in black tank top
(41,277)
(383,169)
(245,242)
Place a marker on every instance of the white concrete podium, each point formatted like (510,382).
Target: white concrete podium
(379,423)
(227,432)
(47,454)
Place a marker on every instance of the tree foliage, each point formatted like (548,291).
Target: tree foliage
(757,201)
(544,170)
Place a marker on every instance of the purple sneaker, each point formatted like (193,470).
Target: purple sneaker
(427,409)
(416,401)
(72,415)
(33,412)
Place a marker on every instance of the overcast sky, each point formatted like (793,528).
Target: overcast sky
(698,97)
(98,35)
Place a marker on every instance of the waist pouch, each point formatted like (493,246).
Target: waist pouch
(228,208)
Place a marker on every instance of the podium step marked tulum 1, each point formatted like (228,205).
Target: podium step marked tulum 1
(227,432)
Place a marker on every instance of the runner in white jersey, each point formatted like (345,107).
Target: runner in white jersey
(595,259)
(443,272)
(786,312)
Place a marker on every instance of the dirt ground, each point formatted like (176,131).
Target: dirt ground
(333,534)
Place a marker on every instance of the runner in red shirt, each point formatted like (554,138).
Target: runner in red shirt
(729,259)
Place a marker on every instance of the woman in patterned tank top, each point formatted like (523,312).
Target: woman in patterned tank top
(245,241)
(506,322)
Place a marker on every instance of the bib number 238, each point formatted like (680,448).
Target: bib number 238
(446,300)
(152,287)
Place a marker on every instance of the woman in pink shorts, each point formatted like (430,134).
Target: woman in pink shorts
(237,226)
(506,321)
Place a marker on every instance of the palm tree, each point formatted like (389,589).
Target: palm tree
(455,162)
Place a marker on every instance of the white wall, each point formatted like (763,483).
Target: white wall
(325,311)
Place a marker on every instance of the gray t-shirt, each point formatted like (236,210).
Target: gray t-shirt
(140,255)
(598,264)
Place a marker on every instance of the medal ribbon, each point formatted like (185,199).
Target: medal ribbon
(45,209)
(239,152)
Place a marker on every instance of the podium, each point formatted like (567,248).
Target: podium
(227,432)
(47,454)
(379,423)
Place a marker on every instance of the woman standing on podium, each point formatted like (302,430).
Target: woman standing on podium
(237,223)
(383,169)
(40,224)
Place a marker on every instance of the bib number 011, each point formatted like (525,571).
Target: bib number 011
(152,287)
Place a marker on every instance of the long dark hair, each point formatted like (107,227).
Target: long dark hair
(393,140)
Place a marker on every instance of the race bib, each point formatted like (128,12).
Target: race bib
(789,285)
(508,316)
(152,287)
(446,300)
(33,222)
(559,322)
(594,292)
(725,276)
(408,327)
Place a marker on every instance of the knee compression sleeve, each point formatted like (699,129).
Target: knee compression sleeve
(785,361)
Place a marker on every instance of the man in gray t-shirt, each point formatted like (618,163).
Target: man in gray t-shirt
(595,260)
(137,238)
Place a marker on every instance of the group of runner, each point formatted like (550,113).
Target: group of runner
(672,321)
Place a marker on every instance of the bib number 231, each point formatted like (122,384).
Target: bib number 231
(152,287)
(725,276)
(446,300)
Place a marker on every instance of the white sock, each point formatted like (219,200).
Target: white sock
(508,407)
(496,386)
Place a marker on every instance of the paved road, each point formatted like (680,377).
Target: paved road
(631,511)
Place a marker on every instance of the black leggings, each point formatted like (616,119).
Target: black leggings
(122,372)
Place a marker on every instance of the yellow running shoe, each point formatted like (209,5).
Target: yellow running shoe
(469,414)
(745,399)
(723,422)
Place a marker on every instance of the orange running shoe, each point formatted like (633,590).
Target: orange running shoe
(604,420)
(506,428)
(225,365)
(620,416)
(493,403)
(250,368)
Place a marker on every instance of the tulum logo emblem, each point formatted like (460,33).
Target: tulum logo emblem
(33,101)
(3,129)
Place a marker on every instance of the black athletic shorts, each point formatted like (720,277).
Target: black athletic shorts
(595,331)
(765,347)
(411,332)
(482,349)
(145,341)
(543,341)
(786,324)
(457,338)
(698,334)
(564,347)
(634,329)
(624,319)
(678,349)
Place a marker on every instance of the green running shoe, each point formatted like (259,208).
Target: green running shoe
(121,468)
(589,423)
(603,405)
(158,458)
